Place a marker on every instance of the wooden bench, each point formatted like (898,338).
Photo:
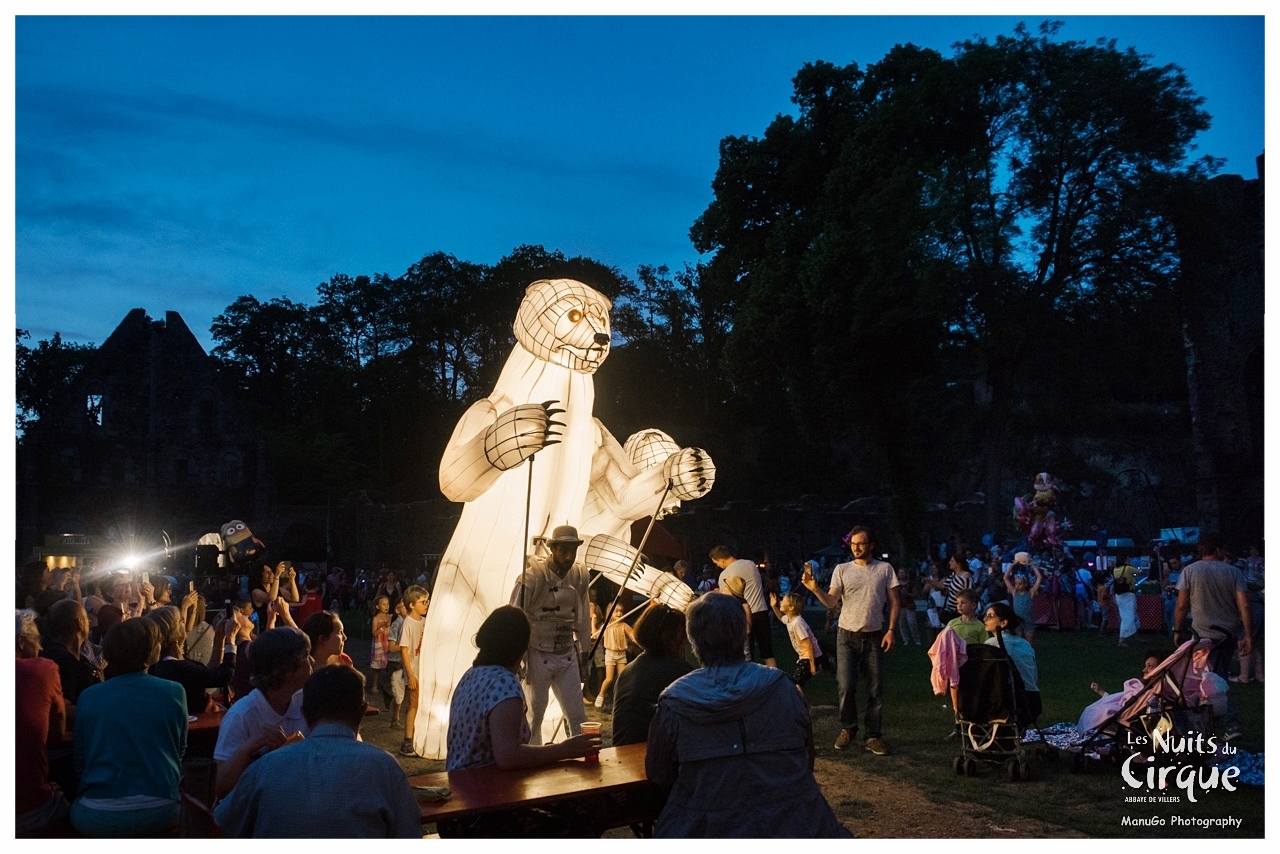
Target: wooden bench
(621,793)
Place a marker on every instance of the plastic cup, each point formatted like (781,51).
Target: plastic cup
(591,728)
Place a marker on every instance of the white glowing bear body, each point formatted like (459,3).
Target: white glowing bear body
(562,331)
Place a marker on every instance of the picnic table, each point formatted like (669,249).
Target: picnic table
(620,792)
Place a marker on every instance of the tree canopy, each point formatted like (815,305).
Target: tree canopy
(43,372)
(931,223)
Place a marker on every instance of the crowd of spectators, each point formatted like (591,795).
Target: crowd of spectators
(109,669)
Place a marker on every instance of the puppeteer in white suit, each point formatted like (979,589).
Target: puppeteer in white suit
(552,591)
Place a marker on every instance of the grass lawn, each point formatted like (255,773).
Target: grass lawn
(916,723)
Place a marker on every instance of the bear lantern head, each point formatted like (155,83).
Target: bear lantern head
(564,322)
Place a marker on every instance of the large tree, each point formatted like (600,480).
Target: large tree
(928,223)
(43,372)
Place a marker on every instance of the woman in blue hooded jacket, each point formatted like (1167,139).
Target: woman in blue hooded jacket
(734,742)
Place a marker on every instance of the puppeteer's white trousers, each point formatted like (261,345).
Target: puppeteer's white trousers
(557,672)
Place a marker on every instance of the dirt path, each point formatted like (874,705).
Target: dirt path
(872,809)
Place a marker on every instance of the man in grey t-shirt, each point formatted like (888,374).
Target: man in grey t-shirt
(1214,592)
(862,587)
(761,636)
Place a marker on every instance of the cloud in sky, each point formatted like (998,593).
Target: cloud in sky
(176,163)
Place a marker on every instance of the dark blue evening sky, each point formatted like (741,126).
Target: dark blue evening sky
(177,163)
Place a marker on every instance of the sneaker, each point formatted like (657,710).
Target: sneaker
(842,740)
(874,745)
(406,748)
(600,702)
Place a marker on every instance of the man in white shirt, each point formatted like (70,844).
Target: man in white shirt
(269,716)
(862,587)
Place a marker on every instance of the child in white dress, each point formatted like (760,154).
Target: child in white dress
(803,640)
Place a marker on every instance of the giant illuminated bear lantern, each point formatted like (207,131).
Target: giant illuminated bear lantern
(541,404)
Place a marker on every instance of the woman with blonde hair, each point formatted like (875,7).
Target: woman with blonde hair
(195,678)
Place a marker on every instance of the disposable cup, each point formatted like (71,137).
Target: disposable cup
(591,728)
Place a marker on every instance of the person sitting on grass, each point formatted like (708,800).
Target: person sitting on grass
(967,625)
(305,790)
(803,640)
(660,633)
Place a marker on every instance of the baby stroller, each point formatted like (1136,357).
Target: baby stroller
(993,713)
(1167,705)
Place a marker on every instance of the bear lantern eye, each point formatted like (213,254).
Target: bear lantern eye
(575,315)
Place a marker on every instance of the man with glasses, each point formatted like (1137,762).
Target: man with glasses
(862,587)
